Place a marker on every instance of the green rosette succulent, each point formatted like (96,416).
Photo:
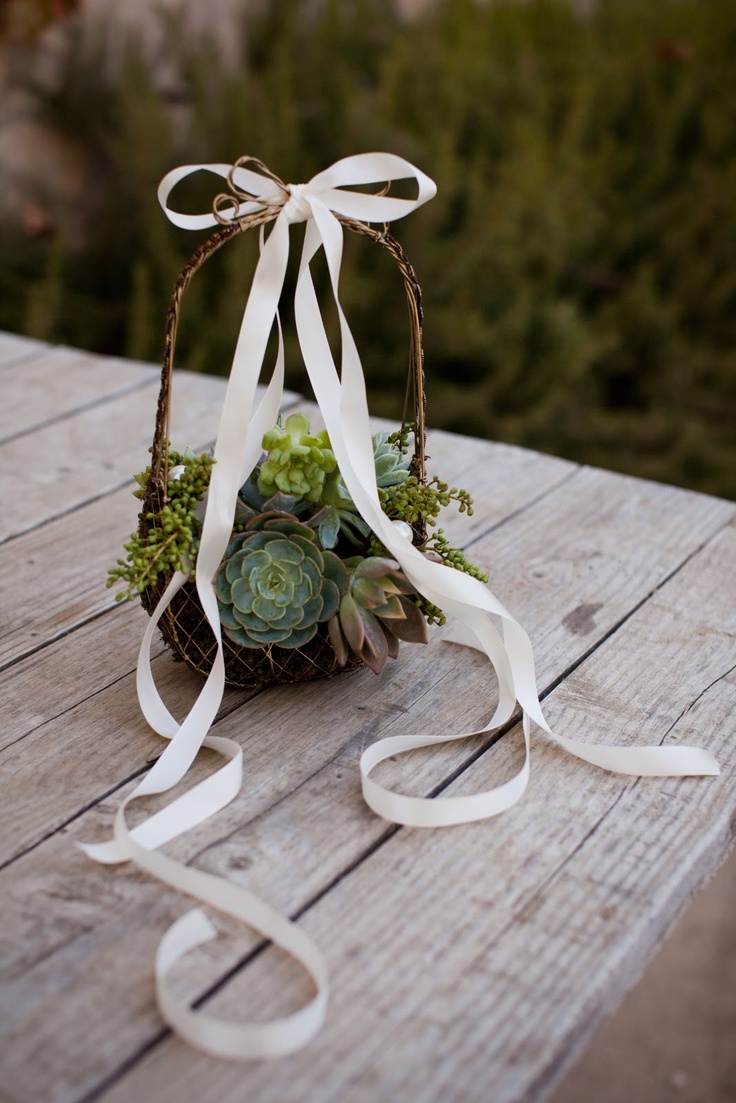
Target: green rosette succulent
(392,471)
(275,584)
(296,462)
(375,613)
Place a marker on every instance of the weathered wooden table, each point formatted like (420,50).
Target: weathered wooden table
(467,964)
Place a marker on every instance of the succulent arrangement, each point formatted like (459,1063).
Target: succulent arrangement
(276,584)
(301,558)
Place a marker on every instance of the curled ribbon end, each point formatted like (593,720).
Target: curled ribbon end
(107,854)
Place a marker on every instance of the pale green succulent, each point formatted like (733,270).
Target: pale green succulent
(392,466)
(275,584)
(375,613)
(392,470)
(296,463)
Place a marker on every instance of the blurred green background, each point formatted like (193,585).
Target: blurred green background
(578,264)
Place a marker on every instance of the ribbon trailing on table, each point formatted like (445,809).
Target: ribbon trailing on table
(342,400)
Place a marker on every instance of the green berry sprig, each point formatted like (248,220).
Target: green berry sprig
(431,612)
(400,438)
(454,557)
(170,538)
(414,502)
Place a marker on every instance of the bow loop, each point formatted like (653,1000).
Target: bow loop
(256,189)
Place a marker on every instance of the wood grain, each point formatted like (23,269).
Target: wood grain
(48,737)
(57,468)
(56,382)
(48,749)
(53,577)
(470,964)
(320,840)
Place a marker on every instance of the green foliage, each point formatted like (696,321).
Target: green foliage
(296,462)
(392,471)
(419,505)
(171,537)
(413,502)
(578,264)
(453,557)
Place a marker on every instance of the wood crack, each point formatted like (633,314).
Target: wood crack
(699,697)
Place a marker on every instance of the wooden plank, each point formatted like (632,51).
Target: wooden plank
(475,960)
(58,381)
(14,348)
(74,923)
(53,578)
(72,669)
(46,744)
(58,468)
(47,736)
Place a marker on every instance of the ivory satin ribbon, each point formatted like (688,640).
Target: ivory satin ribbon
(342,400)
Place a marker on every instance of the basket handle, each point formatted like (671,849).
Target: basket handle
(415,386)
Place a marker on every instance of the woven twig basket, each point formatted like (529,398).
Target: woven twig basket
(183,625)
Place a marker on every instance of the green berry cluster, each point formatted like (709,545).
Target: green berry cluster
(413,502)
(431,612)
(169,539)
(400,439)
(454,557)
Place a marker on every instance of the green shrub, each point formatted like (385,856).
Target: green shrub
(578,264)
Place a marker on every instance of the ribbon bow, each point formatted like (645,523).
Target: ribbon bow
(342,399)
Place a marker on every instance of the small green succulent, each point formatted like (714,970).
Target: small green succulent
(392,471)
(296,463)
(375,613)
(275,584)
(392,466)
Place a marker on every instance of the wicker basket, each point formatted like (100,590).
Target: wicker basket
(183,625)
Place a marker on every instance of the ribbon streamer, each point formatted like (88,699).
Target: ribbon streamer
(342,400)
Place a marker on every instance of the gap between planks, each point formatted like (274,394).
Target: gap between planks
(59,382)
(56,469)
(269,824)
(518,1015)
(69,654)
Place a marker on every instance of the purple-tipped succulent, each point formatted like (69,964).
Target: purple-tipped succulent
(375,613)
